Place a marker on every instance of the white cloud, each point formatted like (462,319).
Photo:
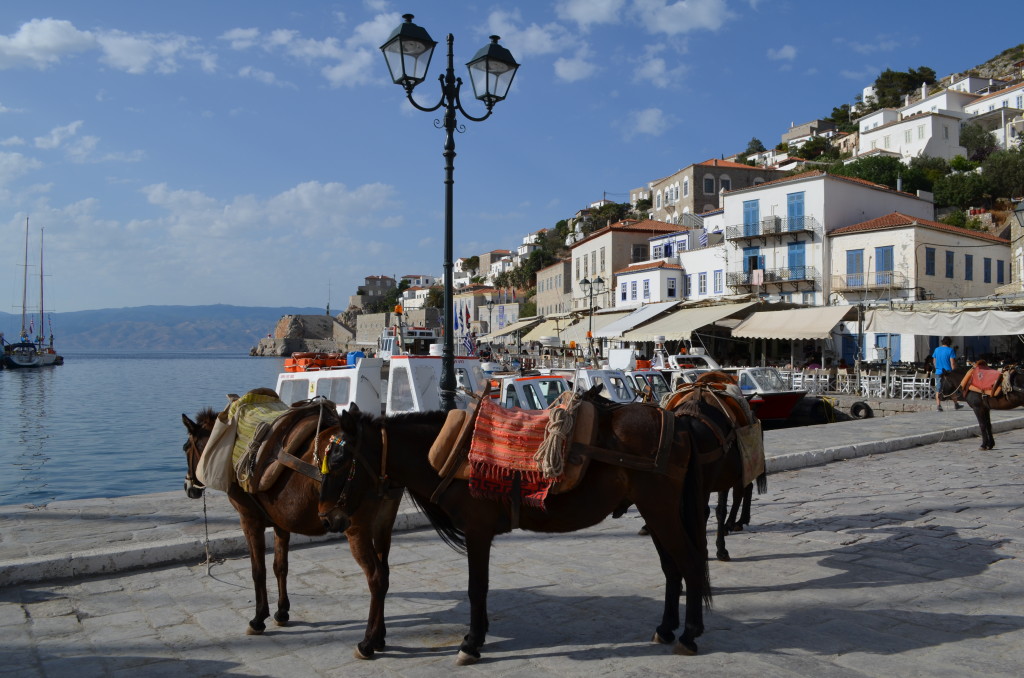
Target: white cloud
(138,53)
(58,135)
(588,12)
(355,69)
(882,43)
(682,16)
(656,70)
(865,74)
(529,40)
(650,121)
(14,165)
(13,141)
(576,68)
(241,38)
(42,43)
(266,77)
(784,53)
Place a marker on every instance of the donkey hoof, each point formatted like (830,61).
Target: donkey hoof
(359,654)
(281,619)
(465,659)
(251,630)
(723,556)
(660,639)
(687,648)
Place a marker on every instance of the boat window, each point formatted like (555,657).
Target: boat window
(532,397)
(401,391)
(511,399)
(553,389)
(658,386)
(462,379)
(619,389)
(335,390)
(746,382)
(769,379)
(294,390)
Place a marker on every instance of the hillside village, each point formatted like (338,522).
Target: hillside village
(910,198)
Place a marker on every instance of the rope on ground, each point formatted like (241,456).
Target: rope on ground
(206,543)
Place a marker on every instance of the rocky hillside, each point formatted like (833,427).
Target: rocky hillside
(999,65)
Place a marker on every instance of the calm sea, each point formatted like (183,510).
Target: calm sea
(109,424)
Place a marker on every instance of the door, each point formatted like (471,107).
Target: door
(797,270)
(751,217)
(795,211)
(855,268)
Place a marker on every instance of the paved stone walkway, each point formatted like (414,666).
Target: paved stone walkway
(909,563)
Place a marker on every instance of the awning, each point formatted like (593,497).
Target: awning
(616,329)
(552,327)
(681,323)
(957,323)
(796,323)
(514,327)
(578,331)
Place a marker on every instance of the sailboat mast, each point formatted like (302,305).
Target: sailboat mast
(41,307)
(24,282)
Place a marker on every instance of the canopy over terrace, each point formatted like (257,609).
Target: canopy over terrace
(523,324)
(578,331)
(794,323)
(938,324)
(616,329)
(553,326)
(683,322)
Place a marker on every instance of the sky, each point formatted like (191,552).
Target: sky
(256,153)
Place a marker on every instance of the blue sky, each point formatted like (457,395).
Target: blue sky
(255,153)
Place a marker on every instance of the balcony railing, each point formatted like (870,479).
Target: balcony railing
(772,226)
(875,280)
(772,276)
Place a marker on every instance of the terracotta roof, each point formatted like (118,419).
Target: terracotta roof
(900,220)
(1005,90)
(649,266)
(727,164)
(822,173)
(649,225)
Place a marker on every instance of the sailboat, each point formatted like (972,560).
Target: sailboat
(31,351)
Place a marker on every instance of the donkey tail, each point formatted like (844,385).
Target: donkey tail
(762,483)
(442,523)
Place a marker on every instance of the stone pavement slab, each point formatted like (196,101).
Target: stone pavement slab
(903,564)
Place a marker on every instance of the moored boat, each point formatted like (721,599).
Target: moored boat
(29,351)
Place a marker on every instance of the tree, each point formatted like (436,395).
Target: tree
(610,212)
(643,206)
(960,218)
(960,190)
(842,118)
(814,148)
(754,146)
(891,86)
(1003,172)
(926,170)
(978,142)
(962,164)
(435,298)
(470,264)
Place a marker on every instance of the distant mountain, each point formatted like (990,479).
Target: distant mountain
(161,328)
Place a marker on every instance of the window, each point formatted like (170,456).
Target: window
(709,185)
(686,185)
(949,264)
(657,201)
(885,141)
(602,260)
(929,261)
(907,136)
(808,298)
(718,282)
(725,183)
(968,267)
(657,252)
(687,285)
(854,267)
(671,287)
(577,268)
(622,288)
(795,211)
(668,250)
(796,258)
(945,131)
(586,266)
(647,288)
(639,253)
(751,216)
(1000,272)
(920,132)
(593,261)
(702,283)
(632,289)
(883,265)
(986,269)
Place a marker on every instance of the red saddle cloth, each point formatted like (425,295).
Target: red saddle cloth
(504,442)
(985,380)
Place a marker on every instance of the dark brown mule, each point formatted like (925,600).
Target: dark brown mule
(290,506)
(721,462)
(376,450)
(982,405)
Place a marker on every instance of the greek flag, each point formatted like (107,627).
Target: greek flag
(467,341)
(702,239)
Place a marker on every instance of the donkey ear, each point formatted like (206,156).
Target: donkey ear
(348,419)
(189,424)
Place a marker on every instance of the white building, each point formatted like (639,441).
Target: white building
(776,231)
(1001,113)
(927,127)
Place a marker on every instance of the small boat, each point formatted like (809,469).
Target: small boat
(29,351)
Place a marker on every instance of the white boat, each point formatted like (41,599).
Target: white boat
(29,351)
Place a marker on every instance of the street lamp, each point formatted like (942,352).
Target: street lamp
(490,307)
(590,286)
(408,51)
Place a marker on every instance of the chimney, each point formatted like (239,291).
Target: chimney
(924,90)
(906,99)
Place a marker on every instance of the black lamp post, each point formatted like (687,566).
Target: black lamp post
(408,51)
(589,286)
(490,309)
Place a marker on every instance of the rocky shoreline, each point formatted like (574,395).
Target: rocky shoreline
(312,333)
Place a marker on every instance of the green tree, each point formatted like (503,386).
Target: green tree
(613,212)
(926,170)
(814,148)
(891,86)
(962,164)
(643,206)
(842,118)
(470,264)
(979,143)
(1003,172)
(960,218)
(435,298)
(960,190)
(754,146)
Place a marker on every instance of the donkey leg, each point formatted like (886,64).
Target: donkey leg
(256,539)
(985,422)
(478,548)
(370,549)
(664,634)
(737,503)
(747,499)
(282,540)
(721,511)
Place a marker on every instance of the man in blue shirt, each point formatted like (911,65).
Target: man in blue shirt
(945,361)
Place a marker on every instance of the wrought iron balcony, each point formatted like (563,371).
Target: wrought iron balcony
(875,280)
(773,226)
(773,276)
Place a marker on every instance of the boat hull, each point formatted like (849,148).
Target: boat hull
(22,356)
(775,405)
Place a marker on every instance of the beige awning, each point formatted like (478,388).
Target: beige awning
(578,331)
(514,327)
(551,327)
(682,322)
(796,323)
(956,323)
(637,316)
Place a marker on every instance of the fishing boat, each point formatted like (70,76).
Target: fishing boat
(29,351)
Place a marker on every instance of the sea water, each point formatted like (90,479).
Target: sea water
(109,424)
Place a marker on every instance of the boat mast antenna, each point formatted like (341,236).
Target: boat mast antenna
(24,283)
(39,337)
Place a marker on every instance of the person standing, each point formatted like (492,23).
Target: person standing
(945,361)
